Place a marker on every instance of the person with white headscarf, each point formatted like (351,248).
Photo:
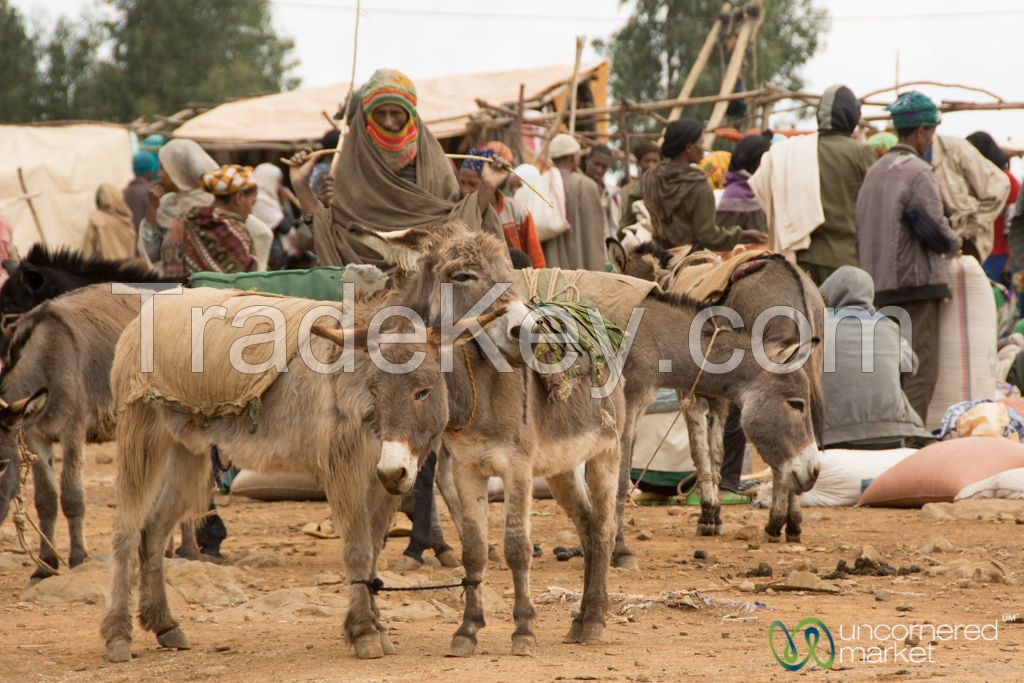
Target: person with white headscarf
(182,164)
(268,195)
(582,247)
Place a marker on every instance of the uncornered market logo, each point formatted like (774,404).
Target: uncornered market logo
(812,629)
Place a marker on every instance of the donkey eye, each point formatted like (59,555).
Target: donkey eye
(463,277)
(796,404)
(422,394)
(3,466)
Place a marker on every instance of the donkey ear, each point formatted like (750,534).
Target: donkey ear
(616,254)
(23,409)
(336,335)
(468,325)
(400,247)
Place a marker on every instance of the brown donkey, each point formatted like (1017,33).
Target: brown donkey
(777,283)
(361,433)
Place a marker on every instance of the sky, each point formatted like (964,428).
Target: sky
(950,41)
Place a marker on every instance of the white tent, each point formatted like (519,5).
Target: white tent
(59,167)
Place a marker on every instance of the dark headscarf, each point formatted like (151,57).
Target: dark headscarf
(838,111)
(746,156)
(678,135)
(643,148)
(989,148)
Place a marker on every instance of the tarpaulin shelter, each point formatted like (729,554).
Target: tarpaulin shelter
(447,104)
(49,175)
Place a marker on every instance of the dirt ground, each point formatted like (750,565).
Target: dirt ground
(241,632)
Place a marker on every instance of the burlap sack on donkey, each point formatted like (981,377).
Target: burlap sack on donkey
(705,277)
(236,368)
(613,294)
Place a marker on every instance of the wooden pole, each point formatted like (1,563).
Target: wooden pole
(343,129)
(31,205)
(698,65)
(747,31)
(517,136)
(624,131)
(575,83)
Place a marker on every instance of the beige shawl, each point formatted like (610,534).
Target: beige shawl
(110,234)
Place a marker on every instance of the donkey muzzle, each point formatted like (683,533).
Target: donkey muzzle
(396,468)
(802,471)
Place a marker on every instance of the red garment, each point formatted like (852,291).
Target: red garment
(520,231)
(207,238)
(1000,245)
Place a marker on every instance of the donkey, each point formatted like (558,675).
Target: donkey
(776,283)
(56,388)
(351,426)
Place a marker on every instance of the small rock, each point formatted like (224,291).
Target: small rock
(762,569)
(674,511)
(103,459)
(748,533)
(939,512)
(912,640)
(869,553)
(904,608)
(936,544)
(883,596)
(645,535)
(329,579)
(700,554)
(747,586)
(222,648)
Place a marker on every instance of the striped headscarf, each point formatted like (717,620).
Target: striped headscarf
(387,86)
(227,180)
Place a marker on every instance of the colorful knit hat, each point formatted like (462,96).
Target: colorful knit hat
(227,180)
(387,86)
(914,110)
(476,165)
(144,163)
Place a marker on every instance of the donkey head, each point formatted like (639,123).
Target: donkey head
(647,261)
(12,416)
(777,413)
(453,275)
(407,397)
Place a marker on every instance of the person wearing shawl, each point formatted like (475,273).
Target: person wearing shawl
(679,197)
(392,175)
(145,167)
(598,162)
(516,221)
(109,234)
(183,163)
(738,205)
(582,246)
(214,238)
(997,266)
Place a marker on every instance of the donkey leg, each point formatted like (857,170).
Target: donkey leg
(72,497)
(777,512)
(519,555)
(471,485)
(718,410)
(444,552)
(45,498)
(697,428)
(422,516)
(600,475)
(183,493)
(622,556)
(446,485)
(794,518)
(566,489)
(189,548)
(383,507)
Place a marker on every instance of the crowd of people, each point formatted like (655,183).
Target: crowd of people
(870,221)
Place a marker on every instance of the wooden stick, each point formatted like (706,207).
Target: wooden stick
(331,122)
(312,155)
(747,31)
(937,84)
(517,136)
(31,205)
(699,63)
(575,83)
(343,129)
(491,160)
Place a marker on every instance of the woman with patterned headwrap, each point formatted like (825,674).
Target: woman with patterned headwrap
(393,175)
(214,238)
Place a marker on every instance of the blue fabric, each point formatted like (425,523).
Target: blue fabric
(144,163)
(994,266)
(1016,425)
(476,165)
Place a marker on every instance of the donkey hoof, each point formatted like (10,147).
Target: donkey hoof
(523,645)
(792,538)
(386,645)
(369,647)
(407,564)
(119,650)
(40,574)
(174,639)
(575,634)
(776,538)
(462,646)
(706,529)
(448,558)
(592,633)
(626,561)
(493,555)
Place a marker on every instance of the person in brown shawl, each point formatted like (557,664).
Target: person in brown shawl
(582,246)
(392,175)
(679,198)
(110,234)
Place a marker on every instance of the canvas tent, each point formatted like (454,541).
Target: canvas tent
(446,104)
(61,166)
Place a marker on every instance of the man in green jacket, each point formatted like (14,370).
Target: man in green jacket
(842,164)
